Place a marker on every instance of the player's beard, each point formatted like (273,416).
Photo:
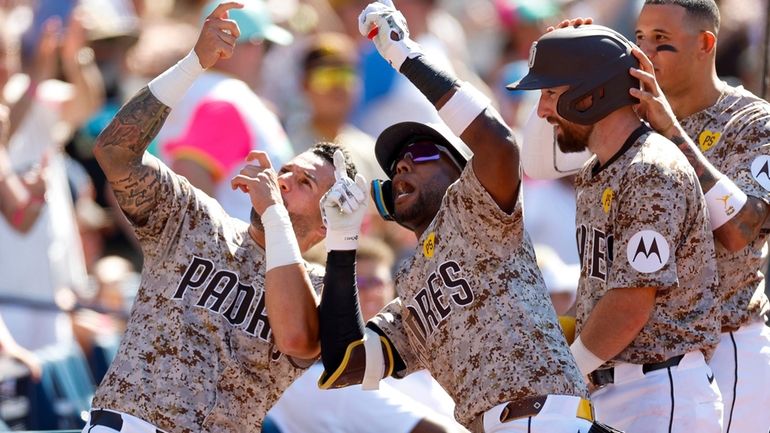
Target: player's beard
(571,138)
(300,223)
(426,205)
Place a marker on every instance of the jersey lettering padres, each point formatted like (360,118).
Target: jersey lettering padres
(198,353)
(642,222)
(473,309)
(734,134)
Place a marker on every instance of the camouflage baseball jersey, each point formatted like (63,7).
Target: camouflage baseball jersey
(734,134)
(473,308)
(642,222)
(198,353)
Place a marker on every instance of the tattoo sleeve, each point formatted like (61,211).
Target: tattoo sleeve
(120,150)
(746,225)
(707,174)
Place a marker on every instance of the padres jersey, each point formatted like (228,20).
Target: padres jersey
(734,134)
(642,222)
(198,353)
(473,309)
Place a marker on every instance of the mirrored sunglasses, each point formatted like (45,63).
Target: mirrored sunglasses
(421,152)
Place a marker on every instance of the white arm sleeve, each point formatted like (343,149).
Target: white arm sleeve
(540,155)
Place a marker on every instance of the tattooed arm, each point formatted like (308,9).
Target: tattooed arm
(120,148)
(746,225)
(120,152)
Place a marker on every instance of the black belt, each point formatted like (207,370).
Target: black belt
(108,418)
(607,376)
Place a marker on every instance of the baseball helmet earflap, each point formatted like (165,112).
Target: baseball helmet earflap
(382,194)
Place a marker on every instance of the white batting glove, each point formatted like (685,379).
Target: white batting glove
(343,208)
(386,27)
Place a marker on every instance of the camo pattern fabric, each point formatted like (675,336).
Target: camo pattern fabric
(734,134)
(642,222)
(198,353)
(473,308)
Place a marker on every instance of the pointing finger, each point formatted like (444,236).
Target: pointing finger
(339,165)
(260,157)
(221,10)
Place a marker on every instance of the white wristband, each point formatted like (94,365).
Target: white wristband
(281,246)
(463,107)
(339,240)
(586,360)
(375,361)
(724,200)
(170,86)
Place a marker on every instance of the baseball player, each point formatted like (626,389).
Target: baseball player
(724,132)
(647,311)
(199,353)
(472,307)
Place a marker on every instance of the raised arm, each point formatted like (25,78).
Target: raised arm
(463,108)
(734,230)
(120,148)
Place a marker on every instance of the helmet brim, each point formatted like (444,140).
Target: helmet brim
(392,140)
(535,82)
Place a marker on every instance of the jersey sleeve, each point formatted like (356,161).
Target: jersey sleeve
(176,201)
(478,216)
(748,163)
(392,322)
(217,138)
(651,216)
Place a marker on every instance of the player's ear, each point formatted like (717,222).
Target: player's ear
(707,42)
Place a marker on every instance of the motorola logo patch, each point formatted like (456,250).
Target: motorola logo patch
(760,170)
(647,251)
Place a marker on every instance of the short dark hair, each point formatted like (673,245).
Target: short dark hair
(705,11)
(326,150)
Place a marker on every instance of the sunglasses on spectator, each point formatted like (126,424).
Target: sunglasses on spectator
(421,152)
(325,79)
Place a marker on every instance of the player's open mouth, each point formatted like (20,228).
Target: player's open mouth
(401,191)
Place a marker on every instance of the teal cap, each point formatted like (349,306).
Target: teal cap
(254,22)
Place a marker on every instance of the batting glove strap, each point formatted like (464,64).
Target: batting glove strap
(170,86)
(724,200)
(281,246)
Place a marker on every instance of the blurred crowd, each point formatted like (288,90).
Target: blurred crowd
(300,74)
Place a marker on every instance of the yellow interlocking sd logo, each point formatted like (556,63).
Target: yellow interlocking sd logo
(607,197)
(708,139)
(429,246)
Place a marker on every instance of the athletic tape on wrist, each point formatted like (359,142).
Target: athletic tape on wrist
(170,86)
(463,107)
(586,360)
(281,246)
(724,200)
(375,361)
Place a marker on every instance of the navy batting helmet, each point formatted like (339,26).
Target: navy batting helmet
(593,61)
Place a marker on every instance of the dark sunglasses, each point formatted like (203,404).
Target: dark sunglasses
(421,152)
